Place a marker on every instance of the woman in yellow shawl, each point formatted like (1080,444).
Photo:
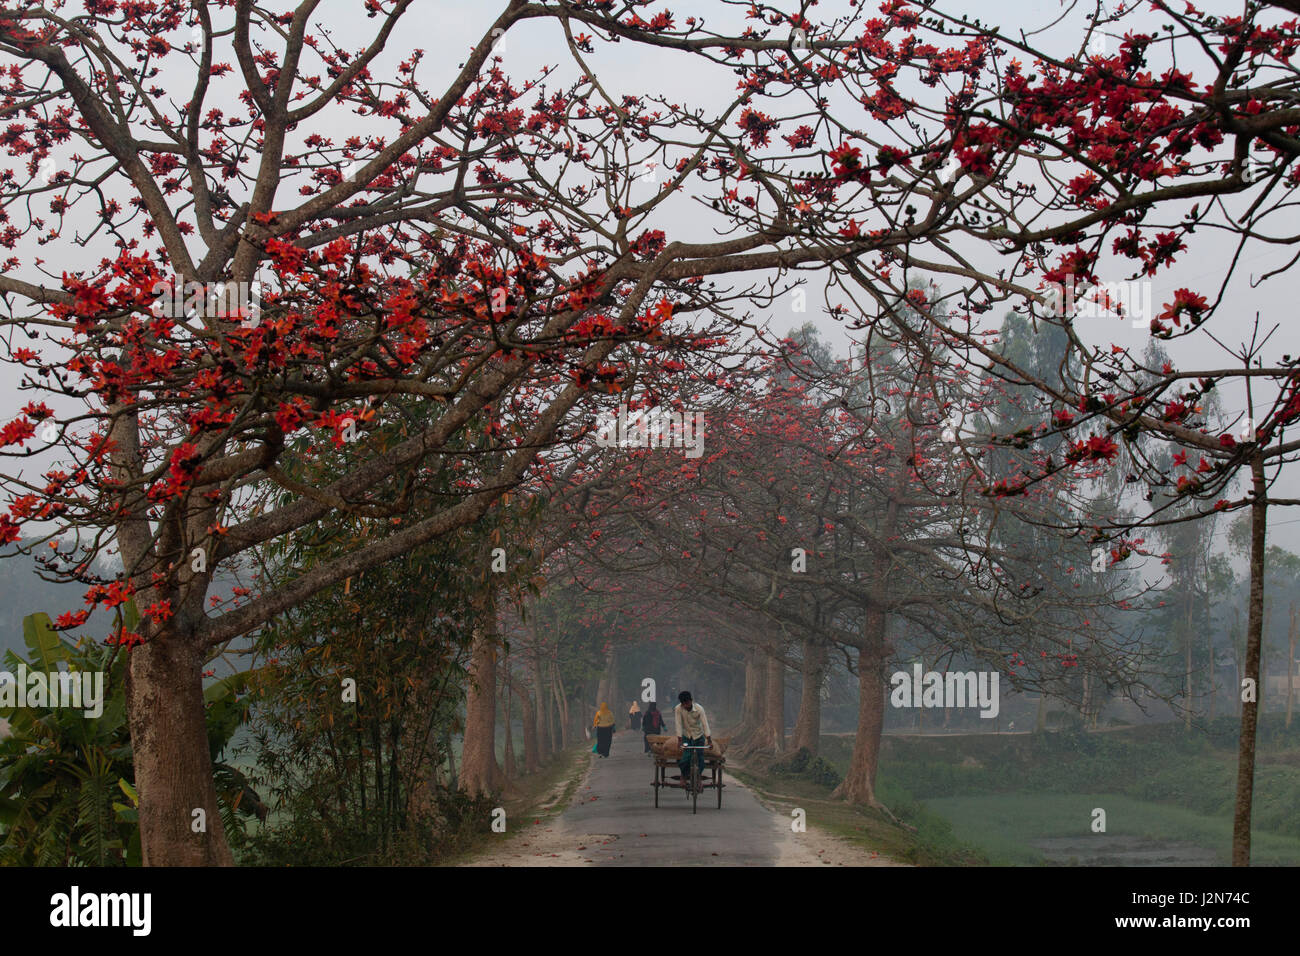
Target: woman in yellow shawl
(604,724)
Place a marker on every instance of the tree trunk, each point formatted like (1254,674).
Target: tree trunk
(808,726)
(529,714)
(539,700)
(774,728)
(565,717)
(511,769)
(1250,708)
(615,702)
(859,785)
(561,720)
(169,744)
(754,704)
(478,773)
(547,694)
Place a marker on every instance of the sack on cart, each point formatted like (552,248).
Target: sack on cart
(665,745)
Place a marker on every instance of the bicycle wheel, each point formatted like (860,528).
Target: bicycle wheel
(717,780)
(695,787)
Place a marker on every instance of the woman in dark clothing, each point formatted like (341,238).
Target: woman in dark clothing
(651,723)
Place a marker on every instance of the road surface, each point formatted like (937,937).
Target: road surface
(612,821)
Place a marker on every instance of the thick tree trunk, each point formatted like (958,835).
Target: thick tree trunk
(1250,708)
(859,784)
(169,744)
(774,725)
(478,762)
(808,726)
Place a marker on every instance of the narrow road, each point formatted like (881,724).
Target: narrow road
(617,799)
(612,821)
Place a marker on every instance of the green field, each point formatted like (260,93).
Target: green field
(1029,799)
(1010,828)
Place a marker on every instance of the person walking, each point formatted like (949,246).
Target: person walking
(634,716)
(651,723)
(604,724)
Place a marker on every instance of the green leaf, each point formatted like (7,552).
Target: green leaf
(226,687)
(47,650)
(131,615)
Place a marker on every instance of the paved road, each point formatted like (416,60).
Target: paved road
(615,804)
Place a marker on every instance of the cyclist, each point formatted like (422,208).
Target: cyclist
(692,727)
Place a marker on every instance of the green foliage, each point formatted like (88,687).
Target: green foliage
(359,777)
(804,765)
(66,793)
(60,769)
(307,834)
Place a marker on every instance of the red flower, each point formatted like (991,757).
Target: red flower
(1185,301)
(1096,448)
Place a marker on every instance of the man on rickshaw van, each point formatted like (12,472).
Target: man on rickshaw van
(692,727)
